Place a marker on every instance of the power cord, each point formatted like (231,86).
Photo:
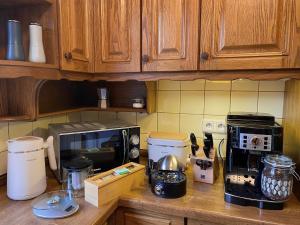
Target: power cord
(219,149)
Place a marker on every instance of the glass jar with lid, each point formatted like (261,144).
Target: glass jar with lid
(277,177)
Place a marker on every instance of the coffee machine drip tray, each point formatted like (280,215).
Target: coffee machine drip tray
(248,195)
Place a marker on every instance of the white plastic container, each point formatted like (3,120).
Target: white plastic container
(164,143)
(36,47)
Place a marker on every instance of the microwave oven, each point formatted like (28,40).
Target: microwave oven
(107,145)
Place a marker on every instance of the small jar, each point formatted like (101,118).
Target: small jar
(277,177)
(138,103)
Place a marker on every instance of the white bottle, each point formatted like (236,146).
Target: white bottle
(36,48)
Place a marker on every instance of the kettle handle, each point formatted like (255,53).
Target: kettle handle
(51,153)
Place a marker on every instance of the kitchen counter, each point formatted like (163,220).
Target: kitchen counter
(202,201)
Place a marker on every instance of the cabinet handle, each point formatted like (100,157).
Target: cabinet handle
(145,58)
(68,56)
(204,56)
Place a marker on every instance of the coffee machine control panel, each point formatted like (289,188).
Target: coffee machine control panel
(256,142)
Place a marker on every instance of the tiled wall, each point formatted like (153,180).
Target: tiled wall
(181,107)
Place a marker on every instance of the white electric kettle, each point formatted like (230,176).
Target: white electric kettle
(26,172)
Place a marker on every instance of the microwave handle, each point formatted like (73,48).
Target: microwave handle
(125,144)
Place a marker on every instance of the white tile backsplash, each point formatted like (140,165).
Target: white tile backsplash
(271,102)
(168,122)
(244,85)
(192,102)
(278,85)
(217,102)
(243,101)
(217,85)
(168,101)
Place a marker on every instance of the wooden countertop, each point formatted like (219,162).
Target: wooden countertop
(205,202)
(20,212)
(202,201)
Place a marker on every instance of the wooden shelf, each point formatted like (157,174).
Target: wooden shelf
(111,109)
(15,118)
(27,64)
(124,109)
(16,3)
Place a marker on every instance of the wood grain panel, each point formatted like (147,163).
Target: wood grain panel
(170,34)
(291,125)
(117,36)
(3,98)
(247,34)
(134,217)
(76,35)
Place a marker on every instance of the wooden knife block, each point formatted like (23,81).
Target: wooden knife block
(205,175)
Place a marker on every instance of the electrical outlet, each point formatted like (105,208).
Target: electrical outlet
(208,126)
(220,127)
(214,126)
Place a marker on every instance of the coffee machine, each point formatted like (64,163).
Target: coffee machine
(250,137)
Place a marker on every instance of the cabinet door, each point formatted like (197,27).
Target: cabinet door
(117,36)
(246,34)
(76,35)
(133,217)
(170,35)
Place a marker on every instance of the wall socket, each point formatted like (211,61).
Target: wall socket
(214,126)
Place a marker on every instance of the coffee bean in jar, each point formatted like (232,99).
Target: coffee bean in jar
(277,177)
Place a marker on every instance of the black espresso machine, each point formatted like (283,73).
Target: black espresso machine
(250,137)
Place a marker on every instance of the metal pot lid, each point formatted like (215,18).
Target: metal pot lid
(56,204)
(77,163)
(280,161)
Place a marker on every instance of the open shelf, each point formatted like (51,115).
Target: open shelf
(73,96)
(43,12)
(28,98)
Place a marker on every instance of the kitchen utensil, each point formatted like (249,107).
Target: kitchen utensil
(169,163)
(277,177)
(168,181)
(104,187)
(55,205)
(15,50)
(138,103)
(75,172)
(26,173)
(194,145)
(36,47)
(208,144)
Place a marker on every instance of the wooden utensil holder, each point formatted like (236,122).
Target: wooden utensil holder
(103,188)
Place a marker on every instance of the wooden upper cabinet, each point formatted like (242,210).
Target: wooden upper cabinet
(247,34)
(117,36)
(76,35)
(170,35)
